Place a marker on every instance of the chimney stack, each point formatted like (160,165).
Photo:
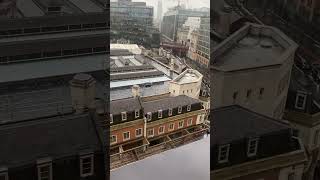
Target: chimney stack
(135,91)
(83,89)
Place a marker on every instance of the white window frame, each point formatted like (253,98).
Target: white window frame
(179,127)
(179,109)
(44,163)
(140,133)
(304,96)
(189,107)
(149,116)
(137,113)
(227,153)
(170,112)
(160,113)
(169,129)
(126,139)
(4,172)
(255,145)
(111,119)
(82,157)
(115,138)
(188,121)
(160,128)
(152,132)
(123,116)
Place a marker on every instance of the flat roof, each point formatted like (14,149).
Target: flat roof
(252,46)
(51,67)
(188,76)
(188,162)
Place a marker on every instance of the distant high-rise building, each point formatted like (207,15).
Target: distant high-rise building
(175,18)
(159,11)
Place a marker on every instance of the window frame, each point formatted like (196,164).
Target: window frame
(256,144)
(226,159)
(160,113)
(44,163)
(149,116)
(111,118)
(304,96)
(179,109)
(124,114)
(189,124)
(137,113)
(140,134)
(152,132)
(162,131)
(180,127)
(115,140)
(170,112)
(126,139)
(82,157)
(4,173)
(189,108)
(169,129)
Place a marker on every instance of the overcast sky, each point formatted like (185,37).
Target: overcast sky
(170,3)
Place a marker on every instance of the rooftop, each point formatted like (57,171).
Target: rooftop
(53,137)
(188,76)
(252,46)
(247,124)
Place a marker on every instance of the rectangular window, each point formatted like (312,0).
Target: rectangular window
(139,132)
(45,171)
(189,108)
(249,93)
(126,136)
(113,139)
(150,132)
(180,125)
(179,109)
(137,113)
(149,116)
(252,147)
(301,101)
(223,153)
(161,129)
(190,121)
(86,165)
(170,112)
(124,116)
(261,91)
(159,113)
(111,118)
(171,126)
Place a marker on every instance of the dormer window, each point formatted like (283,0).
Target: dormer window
(252,147)
(223,156)
(301,101)
(170,112)
(189,108)
(179,109)
(4,174)
(149,116)
(160,113)
(111,118)
(44,169)
(124,116)
(137,113)
(86,165)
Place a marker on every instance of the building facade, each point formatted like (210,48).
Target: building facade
(260,148)
(133,21)
(203,44)
(243,65)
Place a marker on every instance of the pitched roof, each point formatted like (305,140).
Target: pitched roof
(25,142)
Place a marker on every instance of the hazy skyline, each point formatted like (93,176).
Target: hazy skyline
(166,4)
